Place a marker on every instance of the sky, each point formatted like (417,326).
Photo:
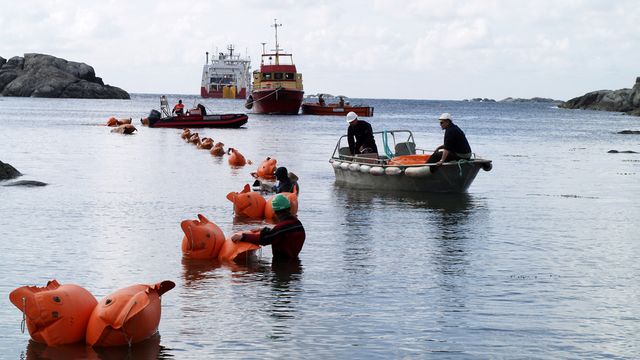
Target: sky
(396,49)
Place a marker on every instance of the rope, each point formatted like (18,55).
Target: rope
(387,151)
(273,92)
(24,315)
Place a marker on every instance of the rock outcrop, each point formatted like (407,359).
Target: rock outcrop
(39,75)
(532,100)
(623,100)
(8,172)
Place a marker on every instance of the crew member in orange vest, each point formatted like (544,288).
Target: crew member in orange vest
(179,108)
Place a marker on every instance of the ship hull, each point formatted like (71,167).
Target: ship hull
(242,94)
(280,101)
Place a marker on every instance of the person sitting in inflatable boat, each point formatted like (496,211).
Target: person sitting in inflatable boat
(286,237)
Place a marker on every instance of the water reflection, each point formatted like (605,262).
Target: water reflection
(145,350)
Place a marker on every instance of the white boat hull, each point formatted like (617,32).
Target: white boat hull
(453,177)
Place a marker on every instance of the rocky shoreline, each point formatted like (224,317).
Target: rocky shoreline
(40,75)
(622,100)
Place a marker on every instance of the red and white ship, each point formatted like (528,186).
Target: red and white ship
(277,86)
(227,76)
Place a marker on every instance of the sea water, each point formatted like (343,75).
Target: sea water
(539,259)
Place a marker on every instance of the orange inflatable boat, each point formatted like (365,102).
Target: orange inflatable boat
(55,314)
(267,169)
(247,203)
(202,239)
(236,158)
(268,208)
(127,316)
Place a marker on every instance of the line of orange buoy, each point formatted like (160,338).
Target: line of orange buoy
(121,126)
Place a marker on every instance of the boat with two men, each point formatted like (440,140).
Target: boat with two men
(402,167)
(194,118)
(339,107)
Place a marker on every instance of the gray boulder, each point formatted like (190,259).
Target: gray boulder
(623,100)
(39,75)
(8,172)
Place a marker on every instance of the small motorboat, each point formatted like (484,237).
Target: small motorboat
(404,168)
(194,118)
(338,108)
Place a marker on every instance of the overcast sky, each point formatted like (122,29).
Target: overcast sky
(413,49)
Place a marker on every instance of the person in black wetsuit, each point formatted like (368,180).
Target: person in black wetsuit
(360,136)
(285,182)
(455,147)
(286,237)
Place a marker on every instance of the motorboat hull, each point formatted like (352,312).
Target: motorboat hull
(199,121)
(335,109)
(453,177)
(277,101)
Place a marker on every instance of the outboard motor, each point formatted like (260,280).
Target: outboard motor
(154,114)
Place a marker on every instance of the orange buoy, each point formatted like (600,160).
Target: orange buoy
(267,169)
(218,149)
(186,134)
(247,203)
(126,129)
(235,158)
(113,122)
(202,239)
(206,143)
(55,314)
(127,316)
(194,138)
(125,121)
(232,251)
(268,208)
(144,121)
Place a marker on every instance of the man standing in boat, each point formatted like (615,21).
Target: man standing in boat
(179,108)
(455,147)
(360,136)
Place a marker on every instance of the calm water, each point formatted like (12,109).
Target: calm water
(538,260)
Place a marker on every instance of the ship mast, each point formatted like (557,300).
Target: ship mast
(276,25)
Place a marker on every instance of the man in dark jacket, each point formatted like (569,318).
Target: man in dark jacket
(455,147)
(286,238)
(360,136)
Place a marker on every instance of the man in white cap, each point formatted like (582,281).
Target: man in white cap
(360,136)
(455,147)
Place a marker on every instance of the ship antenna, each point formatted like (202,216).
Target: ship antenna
(230,48)
(276,25)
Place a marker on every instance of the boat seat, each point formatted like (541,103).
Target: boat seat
(405,148)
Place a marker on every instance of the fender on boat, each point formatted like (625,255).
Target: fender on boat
(487,166)
(247,203)
(417,171)
(127,316)
(336,164)
(202,238)
(354,167)
(393,170)
(365,168)
(55,314)
(344,166)
(376,170)
(293,200)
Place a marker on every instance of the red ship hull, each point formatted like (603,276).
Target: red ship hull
(199,121)
(280,101)
(335,109)
(242,94)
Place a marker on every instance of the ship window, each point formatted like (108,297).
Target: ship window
(277,76)
(288,76)
(266,76)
